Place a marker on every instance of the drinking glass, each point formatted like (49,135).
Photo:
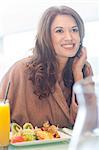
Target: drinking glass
(4,123)
(86,129)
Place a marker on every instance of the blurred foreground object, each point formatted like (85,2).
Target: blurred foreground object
(86,129)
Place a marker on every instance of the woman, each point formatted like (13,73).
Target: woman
(41,85)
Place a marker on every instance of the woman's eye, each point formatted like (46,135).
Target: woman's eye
(75,30)
(59,30)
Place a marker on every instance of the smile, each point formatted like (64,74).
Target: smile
(67,46)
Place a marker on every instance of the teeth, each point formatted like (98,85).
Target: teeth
(67,46)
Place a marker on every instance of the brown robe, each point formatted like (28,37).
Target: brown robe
(27,107)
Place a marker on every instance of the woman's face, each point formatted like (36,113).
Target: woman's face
(65,36)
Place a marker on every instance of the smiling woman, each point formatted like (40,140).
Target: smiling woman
(65,36)
(41,85)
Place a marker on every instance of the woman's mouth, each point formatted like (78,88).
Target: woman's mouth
(68,46)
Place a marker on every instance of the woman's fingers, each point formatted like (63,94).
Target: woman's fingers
(78,64)
(83,54)
(81,60)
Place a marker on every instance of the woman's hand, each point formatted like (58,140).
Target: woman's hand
(78,65)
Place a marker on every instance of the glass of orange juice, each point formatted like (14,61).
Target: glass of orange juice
(4,123)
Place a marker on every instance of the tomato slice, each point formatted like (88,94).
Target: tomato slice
(17,139)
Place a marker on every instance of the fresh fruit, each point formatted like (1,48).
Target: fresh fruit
(28,126)
(16,139)
(28,134)
(15,128)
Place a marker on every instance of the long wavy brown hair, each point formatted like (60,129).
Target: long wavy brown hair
(44,64)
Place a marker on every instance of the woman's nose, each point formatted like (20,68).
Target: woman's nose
(67,35)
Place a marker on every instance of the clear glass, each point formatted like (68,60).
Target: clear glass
(86,129)
(4,123)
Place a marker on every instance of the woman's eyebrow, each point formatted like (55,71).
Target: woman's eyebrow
(75,26)
(62,27)
(58,27)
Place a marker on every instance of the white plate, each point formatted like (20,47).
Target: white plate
(63,137)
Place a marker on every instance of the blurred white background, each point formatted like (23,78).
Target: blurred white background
(18,26)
